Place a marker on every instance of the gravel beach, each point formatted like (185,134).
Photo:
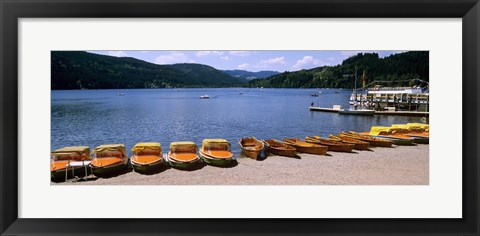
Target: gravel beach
(401,165)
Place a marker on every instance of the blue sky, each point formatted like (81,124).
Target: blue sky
(246,60)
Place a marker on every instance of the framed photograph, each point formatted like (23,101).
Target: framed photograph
(227,117)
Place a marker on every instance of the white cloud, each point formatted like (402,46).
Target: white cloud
(117,53)
(172,58)
(240,53)
(263,64)
(208,53)
(305,62)
(243,66)
(271,61)
(225,58)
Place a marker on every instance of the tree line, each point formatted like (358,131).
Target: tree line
(403,69)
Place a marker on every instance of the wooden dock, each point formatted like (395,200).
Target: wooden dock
(325,109)
(402,113)
(392,113)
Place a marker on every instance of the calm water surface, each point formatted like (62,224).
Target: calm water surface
(95,117)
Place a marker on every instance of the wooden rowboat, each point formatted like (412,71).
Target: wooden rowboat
(183,155)
(216,152)
(394,134)
(372,141)
(277,147)
(359,145)
(146,157)
(305,147)
(251,147)
(397,140)
(334,146)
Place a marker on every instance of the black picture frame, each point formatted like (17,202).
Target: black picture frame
(11,11)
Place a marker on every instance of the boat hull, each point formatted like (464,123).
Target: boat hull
(312,150)
(419,139)
(141,168)
(397,141)
(334,147)
(110,169)
(59,175)
(358,145)
(278,148)
(371,141)
(184,165)
(215,161)
(252,154)
(286,153)
(303,147)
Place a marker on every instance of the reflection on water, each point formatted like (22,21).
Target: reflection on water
(95,117)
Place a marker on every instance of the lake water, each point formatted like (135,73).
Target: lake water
(95,117)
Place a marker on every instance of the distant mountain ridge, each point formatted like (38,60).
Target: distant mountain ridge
(83,70)
(248,75)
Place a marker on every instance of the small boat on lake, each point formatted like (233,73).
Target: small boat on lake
(216,152)
(204,96)
(314,94)
(61,158)
(183,155)
(334,146)
(305,147)
(277,147)
(251,146)
(358,144)
(378,142)
(109,158)
(147,157)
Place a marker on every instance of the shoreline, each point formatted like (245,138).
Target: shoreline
(401,165)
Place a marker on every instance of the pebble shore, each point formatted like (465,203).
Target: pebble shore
(401,165)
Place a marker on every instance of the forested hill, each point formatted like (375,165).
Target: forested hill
(83,70)
(403,68)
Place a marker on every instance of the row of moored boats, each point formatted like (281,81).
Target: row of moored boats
(148,156)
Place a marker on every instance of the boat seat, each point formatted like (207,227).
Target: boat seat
(145,159)
(106,161)
(219,153)
(58,165)
(183,156)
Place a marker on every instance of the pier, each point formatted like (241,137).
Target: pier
(389,112)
